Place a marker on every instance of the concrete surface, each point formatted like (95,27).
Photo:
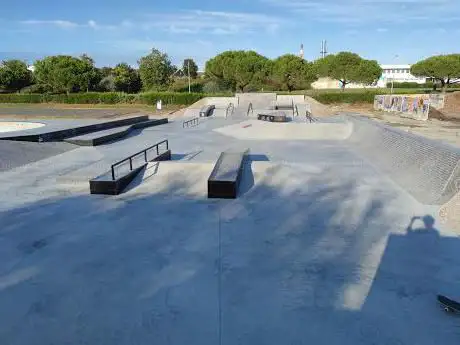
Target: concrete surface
(50,126)
(316,250)
(13,126)
(14,154)
(58,111)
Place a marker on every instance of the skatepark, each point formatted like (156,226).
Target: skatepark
(342,230)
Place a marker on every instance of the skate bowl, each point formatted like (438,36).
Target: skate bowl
(427,169)
(18,126)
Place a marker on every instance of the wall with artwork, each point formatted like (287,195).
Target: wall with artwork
(412,106)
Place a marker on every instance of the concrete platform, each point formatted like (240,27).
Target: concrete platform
(61,129)
(108,135)
(320,247)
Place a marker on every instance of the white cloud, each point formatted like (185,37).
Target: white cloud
(183,22)
(382,30)
(92,24)
(373,11)
(64,24)
(212,22)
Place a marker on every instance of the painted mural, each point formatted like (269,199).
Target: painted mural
(413,106)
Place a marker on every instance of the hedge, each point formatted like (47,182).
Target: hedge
(410,85)
(170,97)
(149,98)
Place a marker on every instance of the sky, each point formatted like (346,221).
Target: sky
(389,31)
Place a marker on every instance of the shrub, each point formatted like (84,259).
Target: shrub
(411,85)
(107,98)
(213,86)
(170,98)
(20,98)
(181,85)
(356,97)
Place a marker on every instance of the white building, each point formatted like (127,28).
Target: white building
(398,74)
(395,73)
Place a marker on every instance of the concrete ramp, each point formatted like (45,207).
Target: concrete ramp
(427,169)
(258,100)
(223,106)
(221,102)
(289,99)
(261,130)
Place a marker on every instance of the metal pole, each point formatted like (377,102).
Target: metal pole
(188,65)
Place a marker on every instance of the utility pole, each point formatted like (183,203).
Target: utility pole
(189,83)
(323,48)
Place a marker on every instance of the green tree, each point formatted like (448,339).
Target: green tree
(348,68)
(292,72)
(369,72)
(155,70)
(189,64)
(14,75)
(106,71)
(126,78)
(238,69)
(90,76)
(63,73)
(442,68)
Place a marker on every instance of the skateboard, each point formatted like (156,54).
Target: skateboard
(449,305)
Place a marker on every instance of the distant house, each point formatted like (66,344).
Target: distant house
(398,74)
(395,73)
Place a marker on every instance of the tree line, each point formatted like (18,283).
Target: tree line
(228,71)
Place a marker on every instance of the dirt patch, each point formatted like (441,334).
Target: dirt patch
(318,109)
(65,111)
(452,105)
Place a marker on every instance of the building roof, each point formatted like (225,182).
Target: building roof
(395,66)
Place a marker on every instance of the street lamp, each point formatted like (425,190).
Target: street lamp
(189,83)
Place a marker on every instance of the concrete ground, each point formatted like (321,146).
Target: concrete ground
(319,248)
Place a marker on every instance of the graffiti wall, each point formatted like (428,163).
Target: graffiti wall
(437,100)
(412,106)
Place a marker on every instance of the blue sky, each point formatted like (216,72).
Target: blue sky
(115,31)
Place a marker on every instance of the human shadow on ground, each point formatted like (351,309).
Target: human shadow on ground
(414,268)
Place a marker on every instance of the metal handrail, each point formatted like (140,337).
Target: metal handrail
(230,106)
(193,122)
(250,108)
(130,158)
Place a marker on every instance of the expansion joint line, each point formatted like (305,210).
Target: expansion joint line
(219,276)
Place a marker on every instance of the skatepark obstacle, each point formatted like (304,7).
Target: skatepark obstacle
(207,110)
(224,181)
(111,183)
(191,123)
(275,116)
